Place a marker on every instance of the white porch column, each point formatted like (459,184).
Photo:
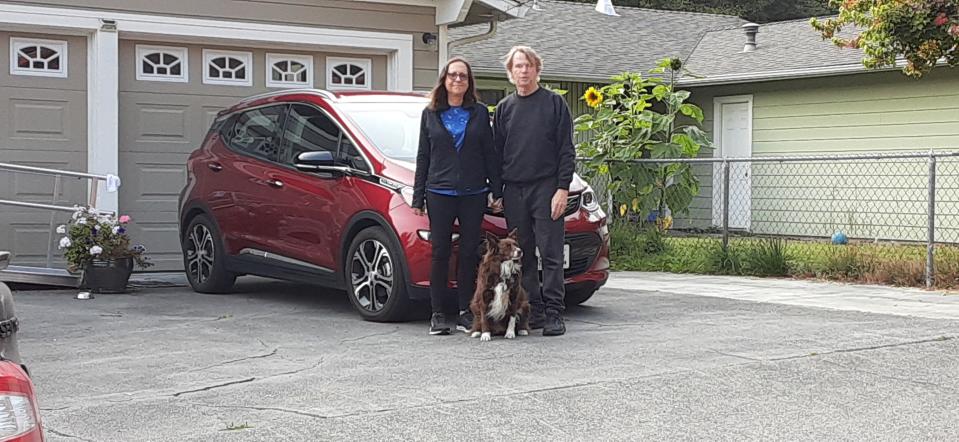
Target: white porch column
(443,41)
(103,110)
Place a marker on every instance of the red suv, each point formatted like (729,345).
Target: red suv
(314,186)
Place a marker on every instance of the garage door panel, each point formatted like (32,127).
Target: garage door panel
(44,120)
(157,231)
(29,187)
(27,234)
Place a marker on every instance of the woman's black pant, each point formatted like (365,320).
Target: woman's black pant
(443,210)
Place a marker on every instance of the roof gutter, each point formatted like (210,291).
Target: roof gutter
(792,74)
(473,38)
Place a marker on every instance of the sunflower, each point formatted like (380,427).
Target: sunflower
(593,97)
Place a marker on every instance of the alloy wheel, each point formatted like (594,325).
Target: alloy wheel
(200,253)
(371,272)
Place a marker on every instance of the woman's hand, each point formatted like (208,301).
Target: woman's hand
(496,205)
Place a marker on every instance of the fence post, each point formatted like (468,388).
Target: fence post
(931,214)
(725,205)
(53,220)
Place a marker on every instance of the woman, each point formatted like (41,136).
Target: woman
(456,168)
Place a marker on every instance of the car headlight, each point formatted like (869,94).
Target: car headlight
(407,193)
(589,200)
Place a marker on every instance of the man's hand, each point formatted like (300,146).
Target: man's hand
(496,205)
(559,203)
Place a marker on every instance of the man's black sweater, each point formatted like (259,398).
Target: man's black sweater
(534,136)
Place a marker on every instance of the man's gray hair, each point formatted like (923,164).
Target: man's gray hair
(530,54)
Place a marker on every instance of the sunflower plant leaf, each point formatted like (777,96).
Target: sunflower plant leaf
(637,118)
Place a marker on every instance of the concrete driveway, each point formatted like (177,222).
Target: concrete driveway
(647,358)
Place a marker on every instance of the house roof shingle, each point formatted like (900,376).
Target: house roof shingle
(576,42)
(782,47)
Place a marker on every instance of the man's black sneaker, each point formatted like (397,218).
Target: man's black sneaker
(465,321)
(537,318)
(554,324)
(438,325)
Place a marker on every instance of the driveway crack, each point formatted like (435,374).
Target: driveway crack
(874,347)
(233,361)
(226,384)
(61,434)
(359,338)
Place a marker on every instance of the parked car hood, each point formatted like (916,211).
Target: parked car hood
(403,171)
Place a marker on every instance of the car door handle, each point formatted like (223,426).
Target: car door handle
(216,167)
(275,183)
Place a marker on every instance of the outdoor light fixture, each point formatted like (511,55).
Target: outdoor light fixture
(429,38)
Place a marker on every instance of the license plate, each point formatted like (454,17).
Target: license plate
(539,261)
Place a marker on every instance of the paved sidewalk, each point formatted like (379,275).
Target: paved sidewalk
(900,301)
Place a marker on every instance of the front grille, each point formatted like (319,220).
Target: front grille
(572,205)
(583,248)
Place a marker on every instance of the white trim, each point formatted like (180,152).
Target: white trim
(306,60)
(365,63)
(397,46)
(180,52)
(61,46)
(103,111)
(442,39)
(246,57)
(452,11)
(719,152)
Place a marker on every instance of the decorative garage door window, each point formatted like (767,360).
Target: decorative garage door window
(161,63)
(348,73)
(44,58)
(289,70)
(227,68)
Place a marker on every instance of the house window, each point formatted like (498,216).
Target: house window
(44,58)
(289,70)
(348,73)
(161,63)
(227,68)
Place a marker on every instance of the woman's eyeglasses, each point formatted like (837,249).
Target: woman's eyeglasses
(457,76)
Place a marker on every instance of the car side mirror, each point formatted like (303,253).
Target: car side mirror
(314,161)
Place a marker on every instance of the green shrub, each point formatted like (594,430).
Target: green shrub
(766,257)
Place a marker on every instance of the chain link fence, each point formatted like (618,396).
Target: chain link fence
(890,218)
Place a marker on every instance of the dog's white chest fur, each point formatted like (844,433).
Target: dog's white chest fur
(497,309)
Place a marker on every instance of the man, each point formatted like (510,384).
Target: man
(533,132)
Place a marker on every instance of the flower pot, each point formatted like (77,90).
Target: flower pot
(108,275)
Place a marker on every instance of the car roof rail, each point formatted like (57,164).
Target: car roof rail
(323,93)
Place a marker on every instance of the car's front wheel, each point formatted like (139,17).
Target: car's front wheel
(376,282)
(578,296)
(204,258)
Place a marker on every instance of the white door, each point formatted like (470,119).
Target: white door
(733,129)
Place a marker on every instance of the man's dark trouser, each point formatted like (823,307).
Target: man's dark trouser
(442,210)
(527,207)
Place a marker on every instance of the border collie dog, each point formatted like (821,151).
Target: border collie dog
(500,304)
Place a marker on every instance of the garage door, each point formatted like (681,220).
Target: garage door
(169,94)
(43,108)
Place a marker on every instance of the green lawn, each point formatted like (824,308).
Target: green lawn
(634,248)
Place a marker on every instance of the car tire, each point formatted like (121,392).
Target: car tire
(375,277)
(578,296)
(206,271)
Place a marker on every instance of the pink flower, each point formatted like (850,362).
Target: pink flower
(954,30)
(125,219)
(941,19)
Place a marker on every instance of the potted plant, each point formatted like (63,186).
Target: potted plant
(97,244)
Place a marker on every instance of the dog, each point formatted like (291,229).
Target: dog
(500,304)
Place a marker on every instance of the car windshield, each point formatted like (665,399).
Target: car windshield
(393,128)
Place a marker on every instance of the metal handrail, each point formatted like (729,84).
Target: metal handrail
(57,184)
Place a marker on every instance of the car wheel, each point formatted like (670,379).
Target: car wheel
(203,257)
(375,277)
(578,296)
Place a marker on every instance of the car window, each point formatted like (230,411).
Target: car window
(254,132)
(308,129)
(350,155)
